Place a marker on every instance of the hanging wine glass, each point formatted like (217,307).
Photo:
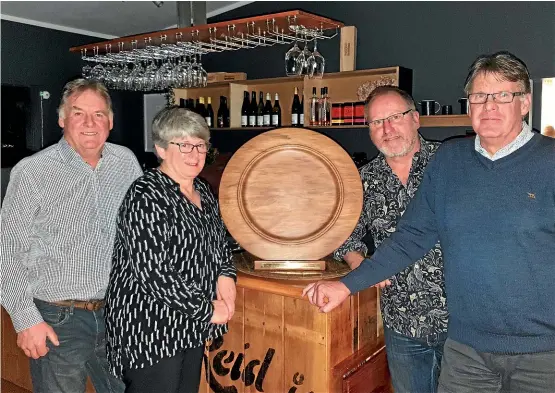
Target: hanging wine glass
(302,60)
(291,65)
(316,63)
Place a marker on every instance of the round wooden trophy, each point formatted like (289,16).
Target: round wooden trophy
(290,197)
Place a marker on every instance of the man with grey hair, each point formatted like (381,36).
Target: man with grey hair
(58,228)
(413,306)
(491,202)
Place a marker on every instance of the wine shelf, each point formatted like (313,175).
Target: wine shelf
(342,87)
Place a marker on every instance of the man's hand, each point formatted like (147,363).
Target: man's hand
(326,294)
(33,340)
(354,259)
(226,291)
(383,284)
(221,313)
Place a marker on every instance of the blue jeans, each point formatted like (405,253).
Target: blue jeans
(414,363)
(82,352)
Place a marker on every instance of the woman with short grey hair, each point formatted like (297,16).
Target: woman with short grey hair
(172,285)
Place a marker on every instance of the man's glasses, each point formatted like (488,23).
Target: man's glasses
(503,97)
(394,118)
(187,148)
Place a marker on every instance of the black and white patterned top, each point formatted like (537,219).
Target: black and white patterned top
(168,255)
(415,303)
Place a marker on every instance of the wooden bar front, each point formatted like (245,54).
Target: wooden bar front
(279,342)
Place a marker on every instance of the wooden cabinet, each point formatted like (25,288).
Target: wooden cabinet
(279,342)
(342,87)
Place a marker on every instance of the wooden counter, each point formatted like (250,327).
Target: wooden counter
(279,342)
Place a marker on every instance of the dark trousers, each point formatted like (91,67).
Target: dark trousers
(414,363)
(178,374)
(82,352)
(465,370)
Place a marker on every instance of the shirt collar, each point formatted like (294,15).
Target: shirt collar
(68,153)
(525,135)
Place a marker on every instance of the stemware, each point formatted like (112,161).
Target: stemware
(291,64)
(316,63)
(302,59)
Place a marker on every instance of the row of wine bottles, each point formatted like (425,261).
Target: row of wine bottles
(207,111)
(260,115)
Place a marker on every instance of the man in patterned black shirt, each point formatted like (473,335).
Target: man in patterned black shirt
(413,302)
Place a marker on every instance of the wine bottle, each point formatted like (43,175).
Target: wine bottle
(296,109)
(209,113)
(314,109)
(200,109)
(260,111)
(221,112)
(252,111)
(322,109)
(328,107)
(276,113)
(268,111)
(301,113)
(245,110)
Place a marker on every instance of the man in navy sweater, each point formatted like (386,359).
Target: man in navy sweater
(490,200)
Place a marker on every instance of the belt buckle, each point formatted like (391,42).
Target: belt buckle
(92,305)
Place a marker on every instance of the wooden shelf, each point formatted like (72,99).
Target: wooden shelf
(278,21)
(445,121)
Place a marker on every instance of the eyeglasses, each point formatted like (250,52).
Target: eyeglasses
(503,97)
(394,118)
(187,148)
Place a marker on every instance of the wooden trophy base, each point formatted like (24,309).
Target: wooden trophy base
(290,265)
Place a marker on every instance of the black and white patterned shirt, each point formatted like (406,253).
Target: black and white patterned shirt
(167,258)
(59,225)
(415,303)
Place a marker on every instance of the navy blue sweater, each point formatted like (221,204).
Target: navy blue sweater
(496,224)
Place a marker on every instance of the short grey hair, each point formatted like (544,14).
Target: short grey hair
(384,90)
(504,65)
(79,86)
(176,123)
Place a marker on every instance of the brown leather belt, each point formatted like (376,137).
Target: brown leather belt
(89,305)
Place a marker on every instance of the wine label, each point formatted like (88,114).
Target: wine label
(294,119)
(244,121)
(301,121)
(275,120)
(260,121)
(267,120)
(208,121)
(252,120)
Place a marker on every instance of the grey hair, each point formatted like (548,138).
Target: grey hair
(79,86)
(504,65)
(176,123)
(384,90)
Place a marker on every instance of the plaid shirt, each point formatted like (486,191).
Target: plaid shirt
(58,227)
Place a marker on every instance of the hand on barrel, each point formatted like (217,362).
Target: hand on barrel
(224,306)
(326,294)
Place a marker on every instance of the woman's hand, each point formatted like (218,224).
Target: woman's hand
(221,313)
(226,291)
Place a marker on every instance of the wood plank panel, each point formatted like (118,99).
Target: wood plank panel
(305,349)
(264,337)
(226,356)
(368,318)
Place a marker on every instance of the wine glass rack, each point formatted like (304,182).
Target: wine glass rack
(245,33)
